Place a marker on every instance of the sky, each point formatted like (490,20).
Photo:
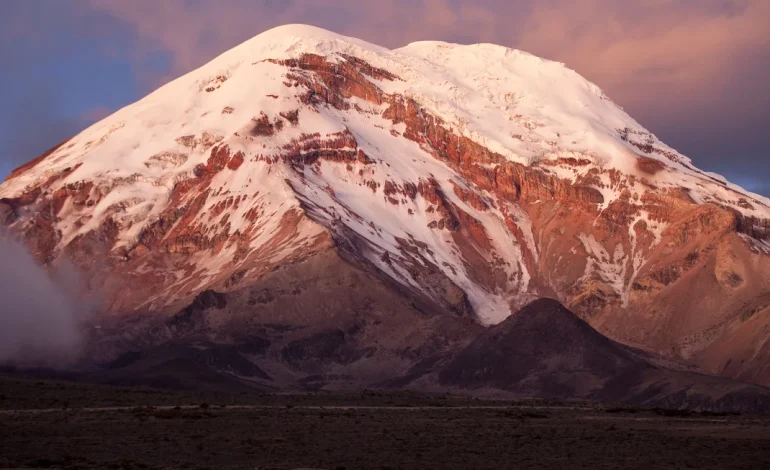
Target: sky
(694,72)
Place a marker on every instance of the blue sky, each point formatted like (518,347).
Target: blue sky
(693,72)
(60,76)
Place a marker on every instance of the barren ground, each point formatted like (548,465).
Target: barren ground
(49,424)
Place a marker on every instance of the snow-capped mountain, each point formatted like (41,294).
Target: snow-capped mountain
(471,179)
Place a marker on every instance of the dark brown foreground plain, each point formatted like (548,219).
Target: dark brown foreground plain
(49,424)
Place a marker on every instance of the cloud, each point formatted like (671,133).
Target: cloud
(196,31)
(629,48)
(193,32)
(693,71)
(41,316)
(663,43)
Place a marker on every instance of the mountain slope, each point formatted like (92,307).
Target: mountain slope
(542,351)
(324,322)
(473,178)
(545,349)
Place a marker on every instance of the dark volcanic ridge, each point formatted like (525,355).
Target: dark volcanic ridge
(542,351)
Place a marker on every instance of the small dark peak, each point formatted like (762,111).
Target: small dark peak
(544,304)
(544,312)
(543,349)
(551,326)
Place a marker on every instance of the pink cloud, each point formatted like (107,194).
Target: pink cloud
(664,42)
(664,60)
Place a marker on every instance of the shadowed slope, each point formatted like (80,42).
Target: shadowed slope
(544,350)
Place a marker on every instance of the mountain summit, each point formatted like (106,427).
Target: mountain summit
(444,180)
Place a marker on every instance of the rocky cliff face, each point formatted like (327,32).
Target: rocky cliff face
(470,178)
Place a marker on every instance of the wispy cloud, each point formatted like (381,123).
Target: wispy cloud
(636,50)
(41,316)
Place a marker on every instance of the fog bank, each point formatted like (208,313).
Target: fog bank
(41,315)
